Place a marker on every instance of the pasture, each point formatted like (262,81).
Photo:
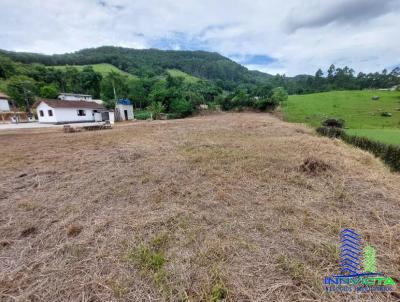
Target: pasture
(363,116)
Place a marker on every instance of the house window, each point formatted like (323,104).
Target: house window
(81,112)
(50,112)
(41,113)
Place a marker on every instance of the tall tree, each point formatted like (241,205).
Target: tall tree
(22,90)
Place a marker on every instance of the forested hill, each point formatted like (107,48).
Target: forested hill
(150,62)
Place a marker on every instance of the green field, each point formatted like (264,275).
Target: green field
(363,116)
(388,136)
(187,77)
(104,69)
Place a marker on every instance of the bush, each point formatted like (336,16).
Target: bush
(180,108)
(142,115)
(156,108)
(266,104)
(279,95)
(331,132)
(331,122)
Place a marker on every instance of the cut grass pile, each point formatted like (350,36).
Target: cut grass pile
(231,207)
(363,115)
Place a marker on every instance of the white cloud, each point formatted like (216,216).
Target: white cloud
(363,34)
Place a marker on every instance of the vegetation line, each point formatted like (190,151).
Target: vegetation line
(390,154)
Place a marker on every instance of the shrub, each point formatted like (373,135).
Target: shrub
(181,108)
(266,104)
(331,132)
(279,95)
(156,108)
(142,115)
(331,122)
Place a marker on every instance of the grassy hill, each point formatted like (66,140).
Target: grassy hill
(187,77)
(141,62)
(363,115)
(104,69)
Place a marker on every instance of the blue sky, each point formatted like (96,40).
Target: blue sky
(291,37)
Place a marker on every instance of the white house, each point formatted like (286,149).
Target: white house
(74,97)
(124,109)
(59,111)
(4,102)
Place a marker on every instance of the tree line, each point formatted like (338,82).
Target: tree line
(336,78)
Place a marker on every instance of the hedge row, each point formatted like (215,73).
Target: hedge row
(390,154)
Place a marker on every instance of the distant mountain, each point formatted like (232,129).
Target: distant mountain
(142,62)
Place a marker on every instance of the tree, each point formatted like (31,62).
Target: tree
(7,67)
(279,95)
(319,73)
(90,81)
(48,91)
(113,87)
(331,72)
(181,108)
(22,90)
(263,91)
(137,93)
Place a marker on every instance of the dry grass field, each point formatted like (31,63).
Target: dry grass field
(203,209)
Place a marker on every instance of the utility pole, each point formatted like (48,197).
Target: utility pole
(28,107)
(116,111)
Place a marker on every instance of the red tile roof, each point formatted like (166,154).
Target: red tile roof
(4,96)
(69,104)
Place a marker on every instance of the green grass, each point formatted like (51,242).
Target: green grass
(104,69)
(361,114)
(187,77)
(388,136)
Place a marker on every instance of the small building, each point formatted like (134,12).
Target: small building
(124,110)
(61,111)
(4,103)
(74,97)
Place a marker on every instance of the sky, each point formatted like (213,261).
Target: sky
(288,37)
